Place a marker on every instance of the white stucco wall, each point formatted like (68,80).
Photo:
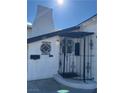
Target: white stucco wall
(46,66)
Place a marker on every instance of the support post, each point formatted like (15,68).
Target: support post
(80,59)
(84,62)
(64,56)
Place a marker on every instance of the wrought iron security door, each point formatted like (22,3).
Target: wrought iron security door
(74,64)
(66,64)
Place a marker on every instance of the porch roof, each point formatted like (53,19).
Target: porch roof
(76,34)
(61,34)
(44,36)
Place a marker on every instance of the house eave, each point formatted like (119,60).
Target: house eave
(44,36)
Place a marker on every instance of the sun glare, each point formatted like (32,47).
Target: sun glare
(60,2)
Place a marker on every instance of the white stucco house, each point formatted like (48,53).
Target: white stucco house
(68,55)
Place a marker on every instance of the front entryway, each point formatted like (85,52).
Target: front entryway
(76,58)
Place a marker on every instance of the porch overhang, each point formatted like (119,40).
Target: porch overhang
(44,36)
(76,34)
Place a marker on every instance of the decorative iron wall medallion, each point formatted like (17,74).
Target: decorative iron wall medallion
(45,48)
(67,46)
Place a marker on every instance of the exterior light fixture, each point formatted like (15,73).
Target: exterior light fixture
(63,91)
(57,42)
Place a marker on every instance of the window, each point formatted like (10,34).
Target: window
(77,49)
(45,48)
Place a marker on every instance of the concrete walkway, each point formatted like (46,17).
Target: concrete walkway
(51,86)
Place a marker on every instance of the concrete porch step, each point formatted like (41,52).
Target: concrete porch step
(75,83)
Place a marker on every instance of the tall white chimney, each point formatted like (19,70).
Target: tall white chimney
(43,22)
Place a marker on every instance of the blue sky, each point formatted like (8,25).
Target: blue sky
(70,13)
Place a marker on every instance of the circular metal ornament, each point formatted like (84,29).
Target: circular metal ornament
(45,48)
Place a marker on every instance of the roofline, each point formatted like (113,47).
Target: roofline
(88,19)
(44,36)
